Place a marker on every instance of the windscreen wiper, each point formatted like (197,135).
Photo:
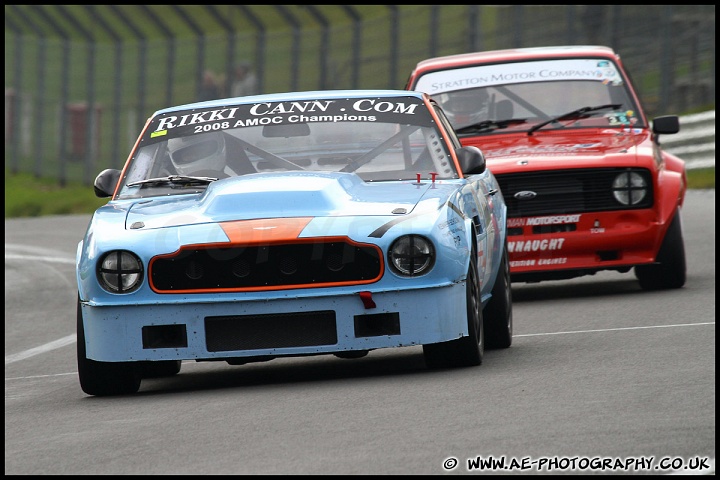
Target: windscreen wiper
(489,125)
(575,114)
(173,180)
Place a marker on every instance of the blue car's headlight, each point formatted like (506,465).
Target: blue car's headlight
(411,255)
(120,271)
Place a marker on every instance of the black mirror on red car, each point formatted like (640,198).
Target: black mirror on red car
(472,160)
(666,124)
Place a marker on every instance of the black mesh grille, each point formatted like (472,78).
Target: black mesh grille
(567,191)
(266,267)
(252,332)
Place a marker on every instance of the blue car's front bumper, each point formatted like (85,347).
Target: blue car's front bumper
(277,327)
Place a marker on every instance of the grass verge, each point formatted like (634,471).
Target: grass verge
(27,196)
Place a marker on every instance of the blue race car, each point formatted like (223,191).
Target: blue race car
(294,224)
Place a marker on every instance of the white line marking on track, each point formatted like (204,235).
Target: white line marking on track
(16,357)
(14,256)
(614,329)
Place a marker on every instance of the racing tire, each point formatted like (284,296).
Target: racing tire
(465,351)
(103,378)
(670,267)
(161,368)
(497,314)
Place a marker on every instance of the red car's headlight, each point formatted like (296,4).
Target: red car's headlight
(629,188)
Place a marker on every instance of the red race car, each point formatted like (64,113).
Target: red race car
(587,185)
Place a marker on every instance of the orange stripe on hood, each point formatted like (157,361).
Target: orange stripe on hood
(264,230)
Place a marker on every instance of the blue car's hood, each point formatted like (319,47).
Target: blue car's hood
(289,194)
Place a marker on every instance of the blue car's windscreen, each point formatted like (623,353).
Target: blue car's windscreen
(379,139)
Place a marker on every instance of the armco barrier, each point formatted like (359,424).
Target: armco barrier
(695,143)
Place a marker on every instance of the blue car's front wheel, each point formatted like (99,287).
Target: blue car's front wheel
(498,312)
(103,378)
(465,351)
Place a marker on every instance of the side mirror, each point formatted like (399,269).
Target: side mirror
(666,124)
(105,182)
(472,160)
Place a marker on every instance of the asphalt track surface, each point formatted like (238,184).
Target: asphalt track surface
(601,376)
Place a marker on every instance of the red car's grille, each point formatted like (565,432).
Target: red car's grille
(266,267)
(567,191)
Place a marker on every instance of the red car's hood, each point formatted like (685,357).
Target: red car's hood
(548,150)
